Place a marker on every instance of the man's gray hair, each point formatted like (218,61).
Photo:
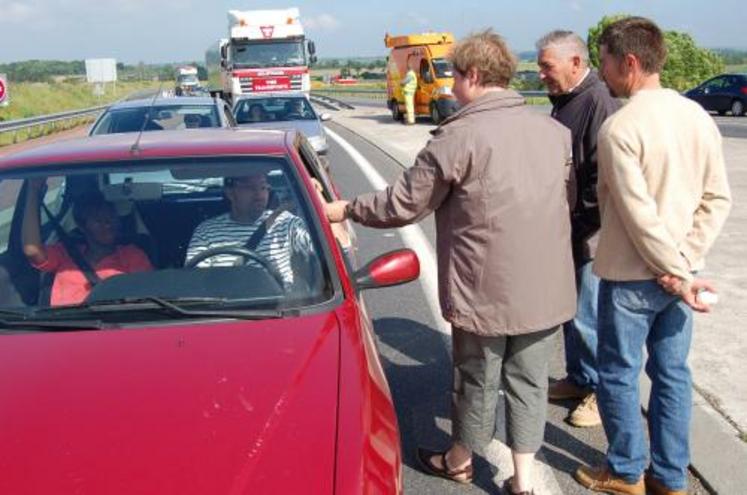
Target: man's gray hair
(566,42)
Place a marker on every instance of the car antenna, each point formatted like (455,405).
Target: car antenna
(135,148)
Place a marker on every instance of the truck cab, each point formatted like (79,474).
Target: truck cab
(266,51)
(428,54)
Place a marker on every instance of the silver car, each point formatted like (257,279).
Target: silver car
(283,111)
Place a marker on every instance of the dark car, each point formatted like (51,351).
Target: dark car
(256,376)
(724,93)
(157,114)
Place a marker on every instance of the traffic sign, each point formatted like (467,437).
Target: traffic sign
(3,91)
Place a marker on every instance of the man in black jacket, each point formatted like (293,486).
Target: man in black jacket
(581,101)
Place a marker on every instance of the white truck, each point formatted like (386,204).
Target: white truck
(266,51)
(186,81)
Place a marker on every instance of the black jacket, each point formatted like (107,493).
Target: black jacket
(583,111)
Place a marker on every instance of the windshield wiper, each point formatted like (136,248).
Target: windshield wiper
(52,325)
(174,306)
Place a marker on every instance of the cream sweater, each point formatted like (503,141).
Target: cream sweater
(663,190)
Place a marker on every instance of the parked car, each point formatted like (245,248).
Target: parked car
(280,111)
(183,379)
(724,93)
(157,114)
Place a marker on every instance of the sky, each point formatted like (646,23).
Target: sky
(157,31)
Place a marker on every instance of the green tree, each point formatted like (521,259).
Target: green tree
(687,64)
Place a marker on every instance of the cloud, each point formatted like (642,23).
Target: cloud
(15,12)
(418,20)
(575,5)
(321,22)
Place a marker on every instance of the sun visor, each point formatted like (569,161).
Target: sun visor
(251,167)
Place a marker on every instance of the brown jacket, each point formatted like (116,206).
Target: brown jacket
(495,173)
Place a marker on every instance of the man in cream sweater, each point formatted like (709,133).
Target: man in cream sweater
(664,197)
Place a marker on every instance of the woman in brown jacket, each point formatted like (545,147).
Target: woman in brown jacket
(496,175)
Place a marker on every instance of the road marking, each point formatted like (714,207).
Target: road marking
(413,237)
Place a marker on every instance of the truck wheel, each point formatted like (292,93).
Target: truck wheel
(396,114)
(435,115)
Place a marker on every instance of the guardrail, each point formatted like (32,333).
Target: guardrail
(30,123)
(17,125)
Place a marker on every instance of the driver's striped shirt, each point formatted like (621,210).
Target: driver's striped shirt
(286,236)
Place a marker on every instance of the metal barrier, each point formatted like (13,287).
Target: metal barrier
(51,119)
(17,125)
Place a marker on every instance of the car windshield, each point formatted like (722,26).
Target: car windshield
(271,109)
(156,118)
(229,237)
(268,54)
(443,68)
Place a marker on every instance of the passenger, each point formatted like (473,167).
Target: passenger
(496,176)
(192,121)
(99,223)
(257,113)
(285,234)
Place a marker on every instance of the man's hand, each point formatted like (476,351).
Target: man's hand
(335,211)
(688,292)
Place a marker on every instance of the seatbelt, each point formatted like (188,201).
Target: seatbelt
(72,249)
(256,237)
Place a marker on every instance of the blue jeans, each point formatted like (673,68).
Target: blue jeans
(580,334)
(631,315)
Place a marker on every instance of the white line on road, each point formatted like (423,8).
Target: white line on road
(414,238)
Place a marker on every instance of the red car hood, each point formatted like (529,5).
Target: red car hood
(229,408)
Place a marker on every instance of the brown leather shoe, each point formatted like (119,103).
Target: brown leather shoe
(656,487)
(601,479)
(565,389)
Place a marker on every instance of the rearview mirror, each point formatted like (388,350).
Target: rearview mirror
(325,117)
(393,268)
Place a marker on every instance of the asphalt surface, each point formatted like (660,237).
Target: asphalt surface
(417,360)
(731,127)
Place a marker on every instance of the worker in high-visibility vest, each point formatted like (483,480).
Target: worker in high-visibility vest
(409,86)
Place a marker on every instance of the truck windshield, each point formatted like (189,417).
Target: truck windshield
(443,68)
(268,54)
(188,79)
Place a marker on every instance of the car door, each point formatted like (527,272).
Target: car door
(715,94)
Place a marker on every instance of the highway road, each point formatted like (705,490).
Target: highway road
(730,127)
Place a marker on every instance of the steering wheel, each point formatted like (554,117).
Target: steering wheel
(238,251)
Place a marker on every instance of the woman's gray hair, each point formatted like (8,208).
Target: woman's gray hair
(566,42)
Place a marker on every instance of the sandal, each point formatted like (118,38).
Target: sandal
(424,456)
(507,488)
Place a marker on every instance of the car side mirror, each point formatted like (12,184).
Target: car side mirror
(706,90)
(393,268)
(325,117)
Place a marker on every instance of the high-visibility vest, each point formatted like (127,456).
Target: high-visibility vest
(410,82)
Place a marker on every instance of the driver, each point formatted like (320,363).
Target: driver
(296,109)
(285,234)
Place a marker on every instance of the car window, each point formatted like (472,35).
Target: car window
(166,117)
(253,110)
(176,234)
(717,83)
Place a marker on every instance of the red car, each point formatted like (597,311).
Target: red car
(257,373)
